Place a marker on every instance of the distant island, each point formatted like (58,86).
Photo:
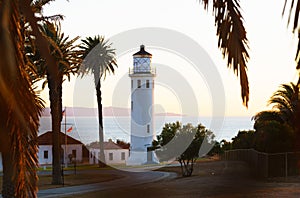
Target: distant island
(107,112)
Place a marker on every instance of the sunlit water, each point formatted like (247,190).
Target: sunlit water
(85,129)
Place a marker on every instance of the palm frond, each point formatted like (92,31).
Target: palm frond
(293,15)
(19,104)
(37,5)
(266,116)
(232,39)
(99,57)
(285,98)
(67,55)
(285,103)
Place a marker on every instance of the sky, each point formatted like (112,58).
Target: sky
(272,51)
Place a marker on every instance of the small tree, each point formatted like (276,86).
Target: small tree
(123,144)
(182,142)
(225,145)
(190,155)
(244,140)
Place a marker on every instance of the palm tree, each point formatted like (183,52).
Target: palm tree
(285,111)
(285,105)
(67,61)
(99,58)
(20,106)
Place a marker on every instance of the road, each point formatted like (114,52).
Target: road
(135,177)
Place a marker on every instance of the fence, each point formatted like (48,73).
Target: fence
(267,164)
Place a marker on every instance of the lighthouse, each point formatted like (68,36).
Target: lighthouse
(142,76)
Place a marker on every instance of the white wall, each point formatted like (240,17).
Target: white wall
(70,147)
(44,161)
(142,113)
(116,153)
(41,158)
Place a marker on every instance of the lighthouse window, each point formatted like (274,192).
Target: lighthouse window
(131,105)
(148,128)
(147,84)
(138,83)
(131,83)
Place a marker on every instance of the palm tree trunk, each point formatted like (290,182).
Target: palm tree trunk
(100,118)
(56,117)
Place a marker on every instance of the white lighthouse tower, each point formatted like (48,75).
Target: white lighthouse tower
(142,121)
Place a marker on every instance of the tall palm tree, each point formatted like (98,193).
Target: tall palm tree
(67,60)
(99,58)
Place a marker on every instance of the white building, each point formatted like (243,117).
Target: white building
(74,147)
(142,99)
(114,154)
(70,146)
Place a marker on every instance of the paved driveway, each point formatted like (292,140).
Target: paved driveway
(139,176)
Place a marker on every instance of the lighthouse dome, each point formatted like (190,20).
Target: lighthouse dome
(142,52)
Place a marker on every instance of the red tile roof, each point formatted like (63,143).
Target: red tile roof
(106,145)
(111,145)
(46,139)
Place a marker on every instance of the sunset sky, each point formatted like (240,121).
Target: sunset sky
(272,50)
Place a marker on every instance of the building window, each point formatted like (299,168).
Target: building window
(138,83)
(147,84)
(110,156)
(132,84)
(148,128)
(45,154)
(123,156)
(131,105)
(74,154)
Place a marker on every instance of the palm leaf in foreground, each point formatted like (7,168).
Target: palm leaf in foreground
(293,15)
(20,108)
(232,39)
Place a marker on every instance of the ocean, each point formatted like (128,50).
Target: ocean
(85,129)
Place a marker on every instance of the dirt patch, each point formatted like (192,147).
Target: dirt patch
(210,179)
